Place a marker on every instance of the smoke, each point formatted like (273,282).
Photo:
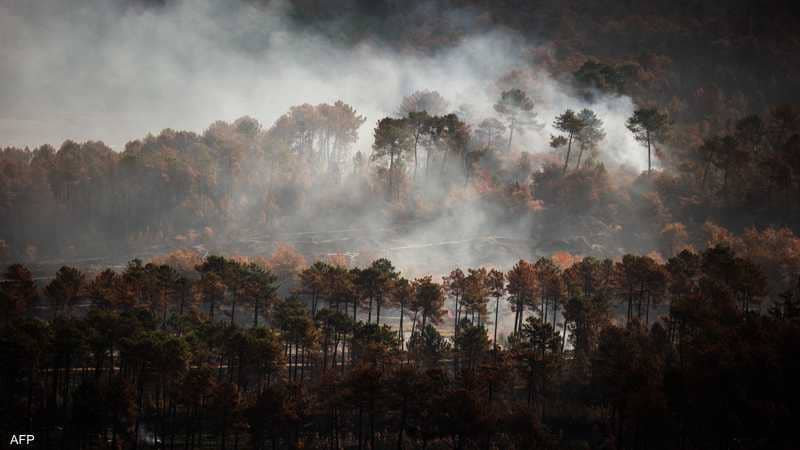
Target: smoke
(115,71)
(98,71)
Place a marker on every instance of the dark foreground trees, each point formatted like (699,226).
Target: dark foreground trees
(628,355)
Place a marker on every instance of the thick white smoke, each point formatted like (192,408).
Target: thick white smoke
(92,69)
(102,70)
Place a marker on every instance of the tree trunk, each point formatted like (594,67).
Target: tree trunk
(335,350)
(255,313)
(496,315)
(402,334)
(391,174)
(580,156)
(569,149)
(325,346)
(416,163)
(427,161)
(302,363)
(455,318)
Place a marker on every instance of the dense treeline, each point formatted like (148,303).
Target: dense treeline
(182,188)
(87,197)
(723,72)
(720,69)
(677,326)
(715,84)
(632,354)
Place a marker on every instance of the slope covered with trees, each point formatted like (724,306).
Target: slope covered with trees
(482,271)
(181,189)
(714,86)
(687,353)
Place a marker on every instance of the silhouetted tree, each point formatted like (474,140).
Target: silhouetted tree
(648,127)
(517,108)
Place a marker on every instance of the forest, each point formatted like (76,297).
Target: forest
(441,224)
(602,354)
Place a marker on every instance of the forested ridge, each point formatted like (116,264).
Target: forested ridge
(726,146)
(631,354)
(596,248)
(181,189)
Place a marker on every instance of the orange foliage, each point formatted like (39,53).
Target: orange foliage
(775,250)
(656,256)
(565,260)
(286,262)
(183,260)
(717,235)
